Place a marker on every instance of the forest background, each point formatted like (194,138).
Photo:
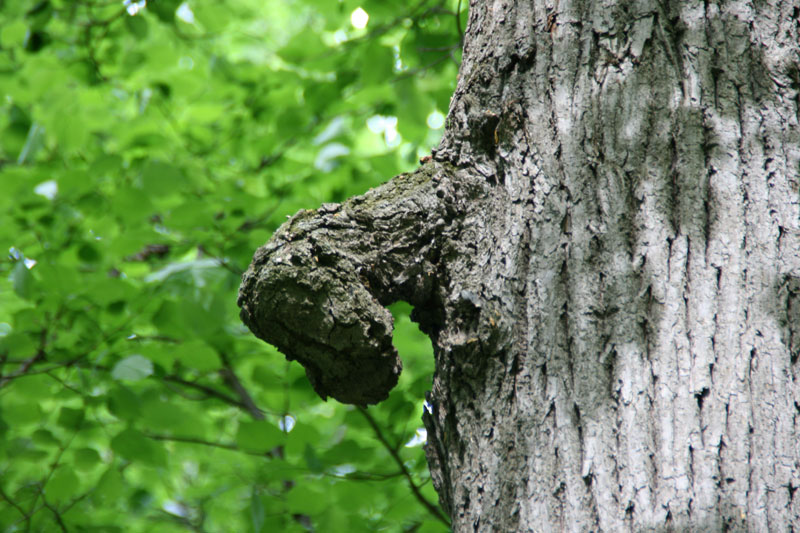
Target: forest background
(146,150)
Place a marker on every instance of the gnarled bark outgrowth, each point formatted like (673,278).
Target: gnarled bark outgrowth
(318,289)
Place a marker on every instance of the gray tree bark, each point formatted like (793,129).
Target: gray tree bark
(605,252)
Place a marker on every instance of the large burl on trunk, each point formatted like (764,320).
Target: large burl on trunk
(318,289)
(605,252)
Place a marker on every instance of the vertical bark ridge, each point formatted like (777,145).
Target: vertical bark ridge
(655,388)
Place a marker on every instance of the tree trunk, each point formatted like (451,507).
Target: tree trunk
(605,251)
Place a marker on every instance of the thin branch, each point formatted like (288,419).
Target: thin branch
(458,23)
(252,223)
(78,499)
(55,512)
(22,370)
(229,267)
(367,476)
(54,366)
(66,385)
(159,338)
(41,354)
(433,509)
(202,442)
(192,440)
(26,366)
(423,68)
(56,463)
(210,391)
(234,383)
(14,504)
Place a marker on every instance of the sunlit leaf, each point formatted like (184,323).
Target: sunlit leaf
(22,279)
(132,368)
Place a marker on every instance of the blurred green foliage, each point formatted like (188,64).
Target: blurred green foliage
(146,150)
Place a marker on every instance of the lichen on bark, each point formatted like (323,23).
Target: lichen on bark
(318,289)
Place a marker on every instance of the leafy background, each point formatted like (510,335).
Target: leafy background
(146,150)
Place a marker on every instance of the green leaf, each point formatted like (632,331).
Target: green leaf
(158,414)
(300,437)
(63,485)
(199,355)
(21,414)
(164,9)
(302,46)
(123,404)
(381,61)
(312,461)
(213,16)
(89,253)
(256,510)
(13,34)
(34,386)
(305,499)
(86,459)
(69,418)
(43,437)
(33,143)
(134,446)
(132,368)
(137,26)
(258,437)
(162,179)
(110,486)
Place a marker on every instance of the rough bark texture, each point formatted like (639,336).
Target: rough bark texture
(318,288)
(608,267)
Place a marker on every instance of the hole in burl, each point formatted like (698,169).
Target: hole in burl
(414,348)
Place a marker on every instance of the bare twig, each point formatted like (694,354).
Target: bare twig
(433,509)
